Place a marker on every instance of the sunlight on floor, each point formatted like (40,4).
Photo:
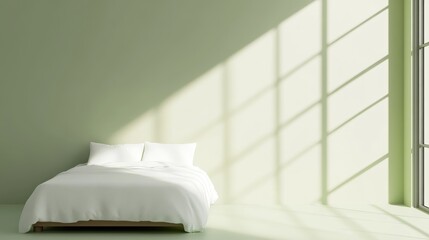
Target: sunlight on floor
(254,222)
(322,222)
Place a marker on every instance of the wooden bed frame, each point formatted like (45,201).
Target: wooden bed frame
(38,227)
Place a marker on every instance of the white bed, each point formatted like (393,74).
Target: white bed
(135,192)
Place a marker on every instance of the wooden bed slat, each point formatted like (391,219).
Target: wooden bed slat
(38,227)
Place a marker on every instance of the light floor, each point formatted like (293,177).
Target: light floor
(257,222)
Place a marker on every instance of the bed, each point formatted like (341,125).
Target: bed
(140,193)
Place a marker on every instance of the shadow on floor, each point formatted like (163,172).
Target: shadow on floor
(9,218)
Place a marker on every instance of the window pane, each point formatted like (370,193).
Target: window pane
(426,96)
(426,177)
(426,20)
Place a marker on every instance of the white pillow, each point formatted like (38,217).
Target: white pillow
(177,154)
(102,153)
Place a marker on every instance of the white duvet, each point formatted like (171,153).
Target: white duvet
(141,191)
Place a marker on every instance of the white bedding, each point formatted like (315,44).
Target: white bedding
(141,191)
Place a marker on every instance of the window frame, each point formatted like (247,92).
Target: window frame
(418,73)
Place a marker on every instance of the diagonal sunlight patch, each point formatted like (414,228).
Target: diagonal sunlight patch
(139,130)
(182,109)
(300,133)
(358,50)
(297,187)
(369,137)
(367,187)
(268,130)
(418,228)
(300,90)
(346,15)
(300,37)
(242,182)
(357,95)
(251,70)
(252,123)
(359,173)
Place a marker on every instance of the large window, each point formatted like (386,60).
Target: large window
(421,103)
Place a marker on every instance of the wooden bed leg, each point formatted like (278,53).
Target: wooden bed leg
(37,229)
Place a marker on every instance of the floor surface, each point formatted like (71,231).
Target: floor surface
(258,222)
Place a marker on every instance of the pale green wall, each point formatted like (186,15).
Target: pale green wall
(123,71)
(76,71)
(396,103)
(407,103)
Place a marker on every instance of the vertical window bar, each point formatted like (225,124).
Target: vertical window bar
(421,105)
(415,100)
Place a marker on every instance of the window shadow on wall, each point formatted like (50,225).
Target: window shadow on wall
(78,71)
(299,115)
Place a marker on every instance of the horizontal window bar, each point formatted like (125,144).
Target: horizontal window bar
(424,145)
(424,45)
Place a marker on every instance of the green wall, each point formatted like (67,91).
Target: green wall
(72,72)
(396,103)
(76,71)
(407,169)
